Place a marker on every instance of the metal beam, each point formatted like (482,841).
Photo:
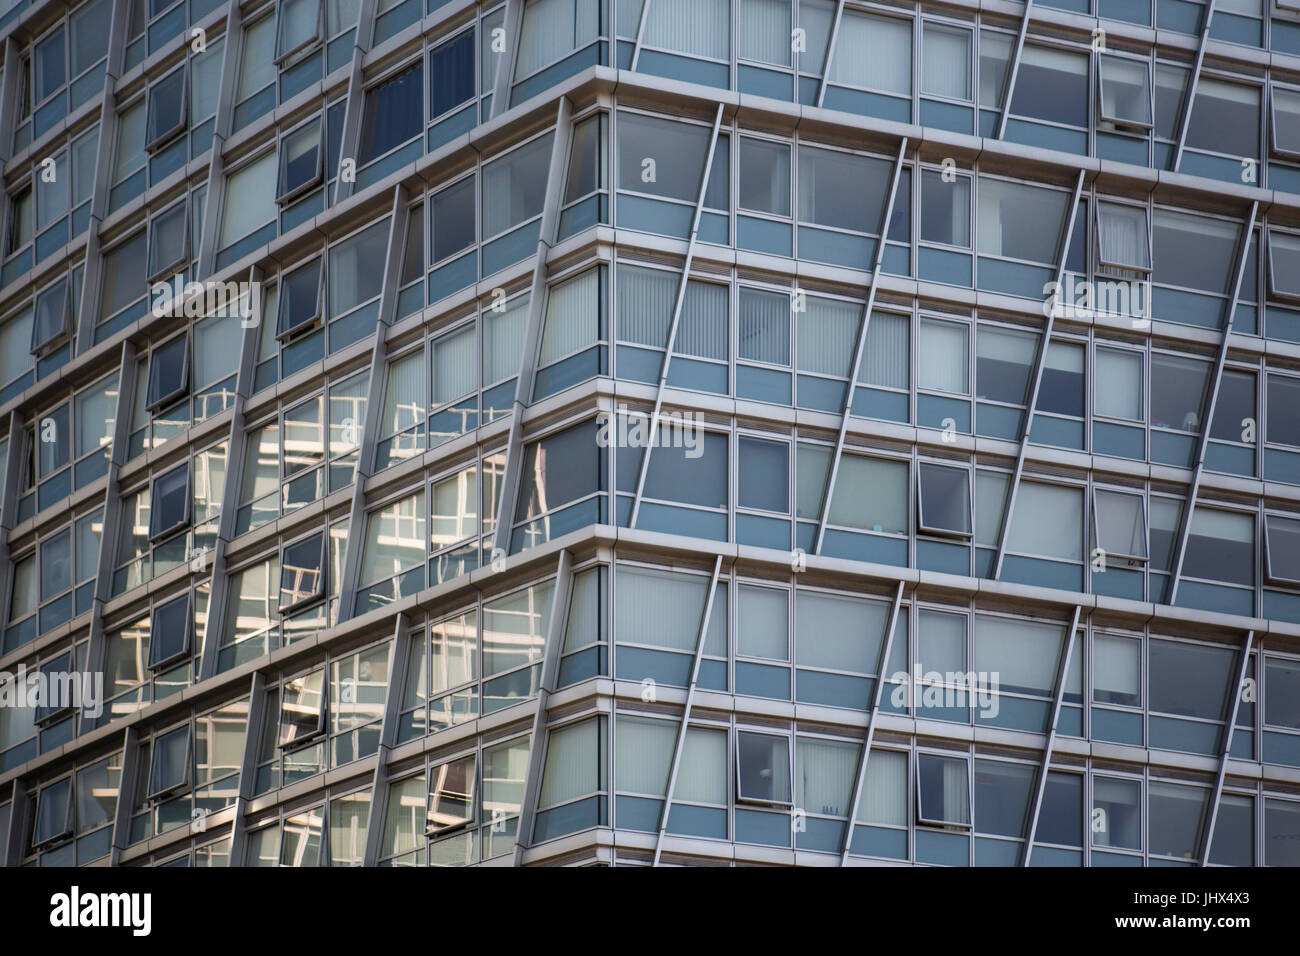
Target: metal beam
(1044,769)
(555,628)
(859,778)
(1013,69)
(1040,361)
(1207,839)
(680,743)
(860,346)
(1209,404)
(512,23)
(257,718)
(1185,114)
(831,38)
(399,656)
(653,433)
(125,795)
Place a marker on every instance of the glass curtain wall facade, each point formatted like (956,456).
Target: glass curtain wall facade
(649,432)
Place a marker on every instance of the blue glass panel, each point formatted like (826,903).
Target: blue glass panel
(684,68)
(1284,37)
(1282,324)
(1212,597)
(941,265)
(394,161)
(510,248)
(1236,29)
(697,821)
(1013,278)
(1047,137)
(302,211)
(837,248)
(1281,749)
(763,384)
(950,116)
(1043,574)
(453,276)
(570,818)
(298,355)
(864,547)
(637,813)
(339,52)
(763,235)
(997,852)
(125,191)
(1246,320)
(167,28)
(944,849)
(582,666)
(457,124)
(876,403)
(638,365)
(713,675)
(762,680)
(772,83)
(396,20)
(999,421)
(637,664)
(571,371)
(653,215)
(931,410)
(768,829)
(1053,856)
(1168,733)
(353,327)
(1281,606)
(257,105)
(52,240)
(868,104)
(1059,432)
(697,376)
(822,394)
(1171,449)
(1070,722)
(1211,167)
(250,243)
(557,73)
(808,90)
(683,521)
(878,841)
(1099,858)
(834,690)
(1131,11)
(826,836)
(298,77)
(1180,16)
(1121,441)
(1017,713)
(1122,149)
(714,228)
(943,557)
(1230,459)
(48,116)
(1119,583)
(763,532)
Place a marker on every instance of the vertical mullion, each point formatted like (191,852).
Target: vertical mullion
(398,658)
(1225,754)
(1013,68)
(1185,117)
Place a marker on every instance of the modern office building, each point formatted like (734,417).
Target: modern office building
(637,432)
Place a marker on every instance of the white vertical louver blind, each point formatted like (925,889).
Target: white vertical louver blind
(873,52)
(702,330)
(572,763)
(1123,236)
(764,27)
(404,394)
(1022,654)
(827,335)
(659,608)
(645,305)
(941,357)
(693,27)
(643,754)
(765,327)
(885,356)
(1115,665)
(553,28)
(884,790)
(1047,521)
(945,64)
(453,366)
(701,774)
(572,317)
(824,775)
(1118,391)
(503,337)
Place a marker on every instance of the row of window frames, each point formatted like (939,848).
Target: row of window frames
(56,188)
(63,56)
(331,833)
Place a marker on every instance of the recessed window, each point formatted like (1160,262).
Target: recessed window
(764,327)
(53,316)
(302,572)
(1120,525)
(1286,121)
(451,796)
(299,27)
(764,176)
(945,499)
(661,157)
(170,503)
(169,765)
(1047,521)
(1284,264)
(51,671)
(394,113)
(299,300)
(1126,92)
(762,769)
(300,161)
(169,235)
(1221,546)
(942,790)
(1116,670)
(21,223)
(169,372)
(1019,221)
(945,209)
(53,813)
(1283,549)
(945,61)
(514,186)
(1118,388)
(1123,237)
(1052,85)
(1225,118)
(166,113)
(453,219)
(764,475)
(451,74)
(302,709)
(870,495)
(1061,387)
(169,637)
(123,274)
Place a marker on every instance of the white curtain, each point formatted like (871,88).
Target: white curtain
(824,775)
(1023,654)
(884,790)
(258,67)
(827,333)
(873,52)
(1286,119)
(1125,90)
(659,608)
(693,27)
(572,317)
(356,269)
(643,751)
(205,82)
(944,347)
(1118,392)
(870,494)
(1223,525)
(572,763)
(249,201)
(645,305)
(885,360)
(1047,521)
(945,65)
(702,330)
(404,396)
(837,632)
(453,366)
(941,642)
(765,31)
(503,340)
(1284,261)
(765,327)
(584,625)
(762,626)
(552,28)
(514,186)
(1123,236)
(1115,667)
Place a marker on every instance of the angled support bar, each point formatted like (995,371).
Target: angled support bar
(1207,839)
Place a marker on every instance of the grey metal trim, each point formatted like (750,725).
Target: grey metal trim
(18,809)
(532,330)
(555,629)
(398,658)
(1207,838)
(1013,69)
(860,346)
(1040,360)
(1185,117)
(257,717)
(125,794)
(1207,419)
(8,97)
(860,776)
(677,317)
(1041,783)
(350,138)
(830,52)
(640,32)
(513,24)
(686,710)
